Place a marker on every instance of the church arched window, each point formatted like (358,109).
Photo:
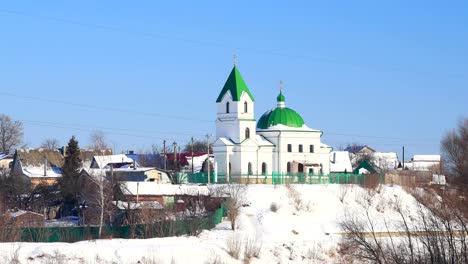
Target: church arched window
(264,168)
(249,168)
(246,108)
(288,167)
(247,133)
(227,107)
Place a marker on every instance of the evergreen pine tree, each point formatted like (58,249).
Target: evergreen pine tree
(70,182)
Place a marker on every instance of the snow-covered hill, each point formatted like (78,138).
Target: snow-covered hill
(292,225)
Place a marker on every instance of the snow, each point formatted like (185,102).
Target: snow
(103,161)
(340,162)
(197,162)
(287,235)
(153,188)
(38,171)
(426,158)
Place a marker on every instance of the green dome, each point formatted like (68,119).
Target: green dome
(280,116)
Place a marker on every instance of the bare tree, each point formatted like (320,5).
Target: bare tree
(199,146)
(11,133)
(50,143)
(237,193)
(454,148)
(98,140)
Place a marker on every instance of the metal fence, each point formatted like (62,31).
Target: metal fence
(157,229)
(282,178)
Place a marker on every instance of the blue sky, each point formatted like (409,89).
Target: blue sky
(382,73)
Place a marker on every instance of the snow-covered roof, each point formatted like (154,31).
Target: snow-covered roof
(340,162)
(5,156)
(38,171)
(22,212)
(283,127)
(103,161)
(197,162)
(137,205)
(426,158)
(223,141)
(152,188)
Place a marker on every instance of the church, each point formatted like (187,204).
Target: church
(279,143)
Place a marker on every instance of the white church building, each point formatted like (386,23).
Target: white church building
(279,143)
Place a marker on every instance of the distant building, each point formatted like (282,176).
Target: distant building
(38,166)
(23,218)
(355,149)
(423,163)
(385,160)
(125,169)
(43,166)
(6,161)
(340,162)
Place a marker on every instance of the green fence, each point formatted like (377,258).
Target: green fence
(158,229)
(284,178)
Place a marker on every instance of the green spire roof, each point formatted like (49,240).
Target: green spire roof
(280,97)
(236,85)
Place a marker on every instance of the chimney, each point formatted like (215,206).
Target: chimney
(131,152)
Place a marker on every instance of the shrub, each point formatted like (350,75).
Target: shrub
(234,245)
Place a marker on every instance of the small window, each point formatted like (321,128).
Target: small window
(247,133)
(245,107)
(289,148)
(227,107)
(264,168)
(300,148)
(249,168)
(288,167)
(311,148)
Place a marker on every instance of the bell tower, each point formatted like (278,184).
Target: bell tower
(235,115)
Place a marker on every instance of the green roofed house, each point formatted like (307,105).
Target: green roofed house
(280,142)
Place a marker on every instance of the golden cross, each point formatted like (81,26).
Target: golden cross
(235,59)
(281,86)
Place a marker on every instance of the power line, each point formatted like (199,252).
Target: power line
(224,45)
(111,128)
(104,108)
(92,129)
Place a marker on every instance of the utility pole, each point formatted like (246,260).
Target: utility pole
(164,151)
(175,155)
(403,167)
(192,155)
(208,159)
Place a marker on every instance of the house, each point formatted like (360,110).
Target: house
(357,149)
(385,160)
(280,142)
(340,162)
(23,218)
(38,166)
(425,162)
(124,168)
(43,166)
(169,195)
(6,161)
(364,168)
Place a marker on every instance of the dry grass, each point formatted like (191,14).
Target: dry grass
(234,246)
